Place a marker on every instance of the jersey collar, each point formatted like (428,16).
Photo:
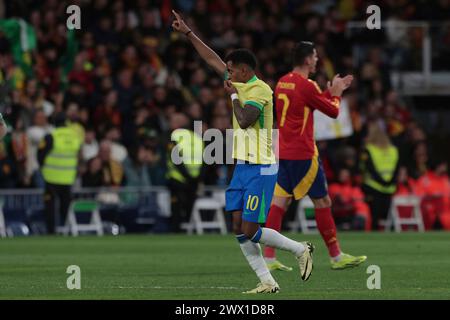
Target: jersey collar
(253,79)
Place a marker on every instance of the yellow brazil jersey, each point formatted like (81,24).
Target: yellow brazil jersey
(254,144)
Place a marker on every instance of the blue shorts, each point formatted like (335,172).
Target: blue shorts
(251,192)
(300,178)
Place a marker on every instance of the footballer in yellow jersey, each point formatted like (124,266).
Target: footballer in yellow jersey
(250,191)
(254,144)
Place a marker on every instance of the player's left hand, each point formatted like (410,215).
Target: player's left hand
(229,88)
(339,84)
(347,80)
(330,83)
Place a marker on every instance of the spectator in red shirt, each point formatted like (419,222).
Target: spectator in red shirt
(348,203)
(435,187)
(406,184)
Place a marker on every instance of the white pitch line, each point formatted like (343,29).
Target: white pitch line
(176,288)
(164,288)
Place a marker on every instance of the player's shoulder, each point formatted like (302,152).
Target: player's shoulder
(291,81)
(262,86)
(289,77)
(313,85)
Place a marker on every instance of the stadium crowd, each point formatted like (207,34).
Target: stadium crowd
(125,80)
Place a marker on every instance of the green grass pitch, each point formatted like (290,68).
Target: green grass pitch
(413,266)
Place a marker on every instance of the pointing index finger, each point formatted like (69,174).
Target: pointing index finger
(176,14)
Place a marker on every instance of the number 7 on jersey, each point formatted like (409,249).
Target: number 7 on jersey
(286,102)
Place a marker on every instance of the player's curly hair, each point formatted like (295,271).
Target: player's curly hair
(244,56)
(302,50)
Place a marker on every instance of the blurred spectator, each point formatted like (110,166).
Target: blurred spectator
(35,134)
(348,203)
(93,177)
(107,113)
(118,151)
(19,145)
(127,92)
(346,158)
(73,114)
(3,127)
(103,170)
(183,174)
(157,166)
(82,72)
(405,184)
(90,146)
(136,167)
(418,164)
(379,164)
(8,170)
(434,186)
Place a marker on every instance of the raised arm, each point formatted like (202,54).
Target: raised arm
(203,50)
(328,102)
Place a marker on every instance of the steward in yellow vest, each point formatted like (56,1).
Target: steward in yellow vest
(190,152)
(184,168)
(58,157)
(379,166)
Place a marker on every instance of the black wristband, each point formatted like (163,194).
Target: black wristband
(187,33)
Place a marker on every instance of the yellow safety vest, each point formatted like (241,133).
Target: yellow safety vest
(60,165)
(79,129)
(190,148)
(384,160)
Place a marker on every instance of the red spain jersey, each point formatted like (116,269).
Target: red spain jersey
(296,100)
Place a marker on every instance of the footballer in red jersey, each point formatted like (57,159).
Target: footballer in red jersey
(300,170)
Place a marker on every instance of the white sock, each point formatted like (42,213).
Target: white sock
(270,260)
(252,252)
(273,238)
(337,258)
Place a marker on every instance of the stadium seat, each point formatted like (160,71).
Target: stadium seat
(148,209)
(214,203)
(15,228)
(36,219)
(14,219)
(397,220)
(304,217)
(83,206)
